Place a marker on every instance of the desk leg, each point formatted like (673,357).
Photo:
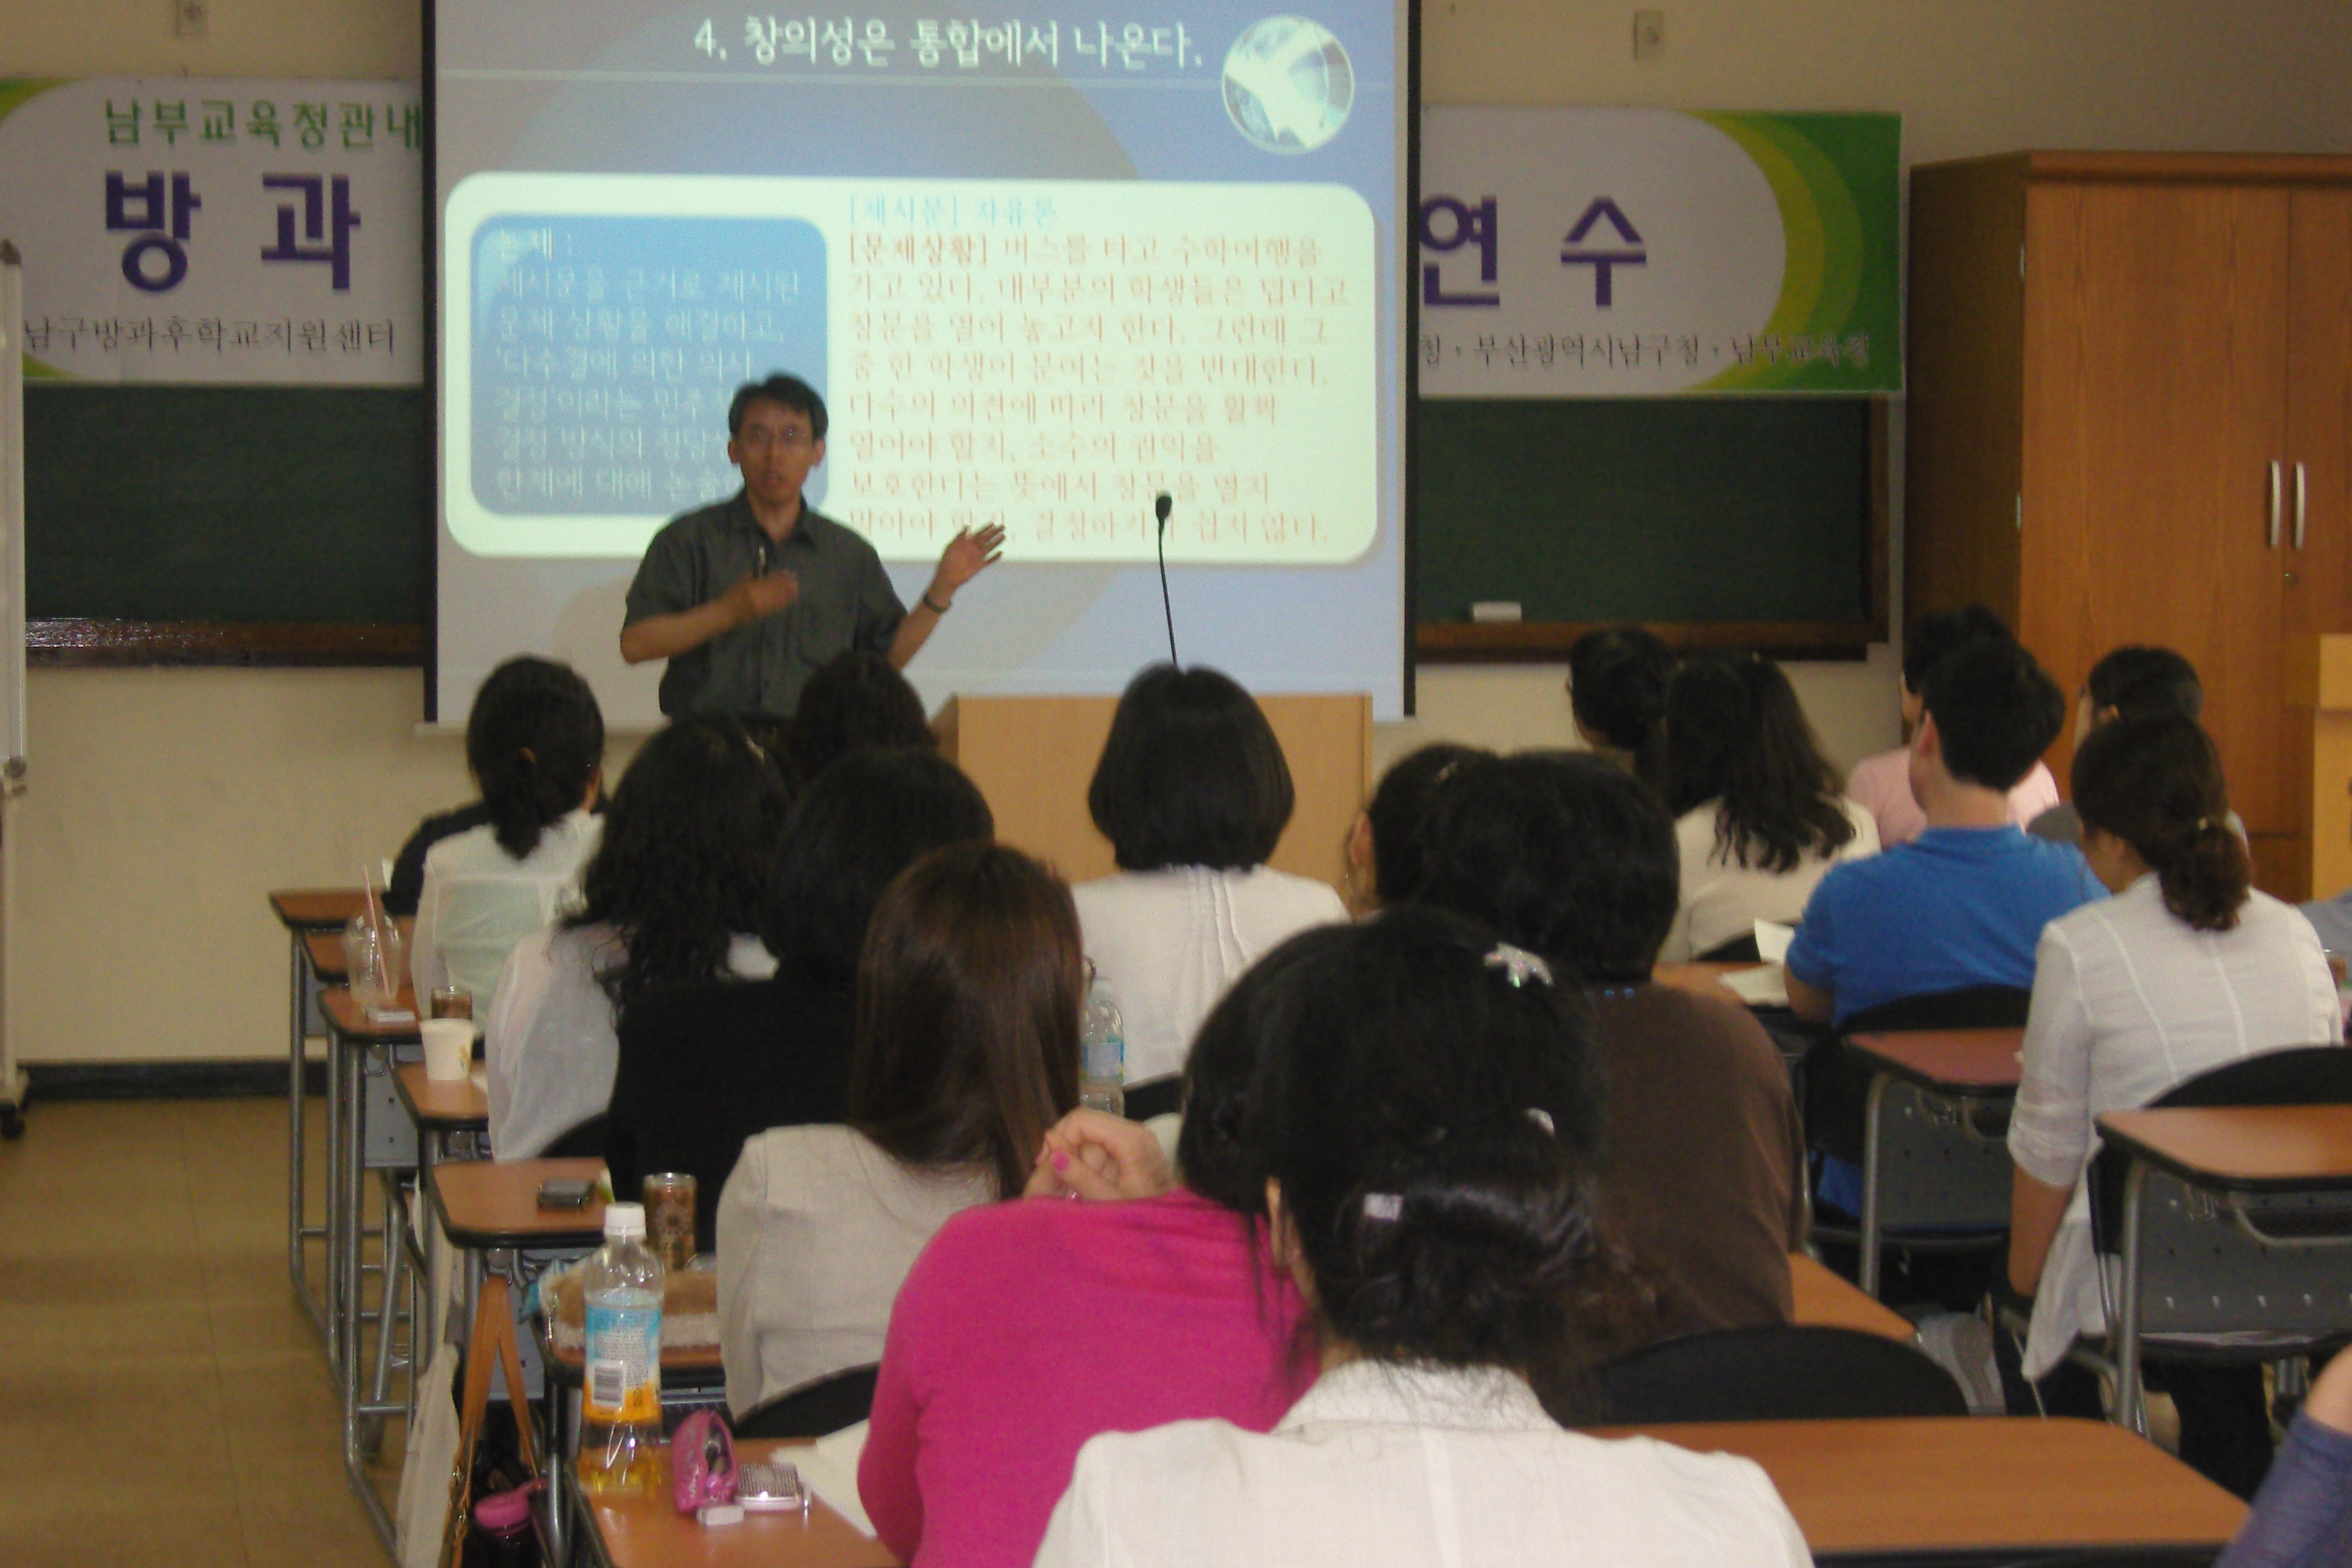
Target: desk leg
(331,1286)
(297,1131)
(2131,1397)
(1871,1104)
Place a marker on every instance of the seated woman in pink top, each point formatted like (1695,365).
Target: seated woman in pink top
(1026,1328)
(1881,784)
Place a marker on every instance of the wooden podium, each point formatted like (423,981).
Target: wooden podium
(2319,680)
(1033,757)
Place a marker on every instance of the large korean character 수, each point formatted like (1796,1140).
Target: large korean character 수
(327,219)
(159,211)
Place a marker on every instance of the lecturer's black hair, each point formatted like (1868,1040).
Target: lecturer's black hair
(785,390)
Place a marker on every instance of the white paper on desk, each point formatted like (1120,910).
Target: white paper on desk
(1765,987)
(1772,941)
(829,1468)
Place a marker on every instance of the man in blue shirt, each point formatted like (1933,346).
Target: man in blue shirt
(1965,902)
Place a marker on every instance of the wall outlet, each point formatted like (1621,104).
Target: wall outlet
(192,19)
(1648,34)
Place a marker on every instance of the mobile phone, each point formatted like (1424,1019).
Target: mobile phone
(770,1489)
(565,1193)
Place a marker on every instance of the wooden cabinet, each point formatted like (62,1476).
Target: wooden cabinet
(2130,421)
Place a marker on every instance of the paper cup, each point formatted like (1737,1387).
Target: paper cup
(449,1047)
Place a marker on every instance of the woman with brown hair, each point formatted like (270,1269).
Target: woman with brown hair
(968,999)
(2185,968)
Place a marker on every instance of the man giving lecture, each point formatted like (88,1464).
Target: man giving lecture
(746,598)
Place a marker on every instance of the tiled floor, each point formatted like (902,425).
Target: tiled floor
(162,1399)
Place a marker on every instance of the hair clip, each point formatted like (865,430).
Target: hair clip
(1383,1205)
(1520,963)
(1541,1118)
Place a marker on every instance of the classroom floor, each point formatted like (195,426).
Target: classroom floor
(162,1398)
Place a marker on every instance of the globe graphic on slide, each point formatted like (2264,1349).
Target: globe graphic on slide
(1288,85)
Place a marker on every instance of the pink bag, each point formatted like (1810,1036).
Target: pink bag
(702,1461)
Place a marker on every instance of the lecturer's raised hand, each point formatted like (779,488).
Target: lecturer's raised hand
(968,554)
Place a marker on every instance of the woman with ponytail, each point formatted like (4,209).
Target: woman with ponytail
(1426,1111)
(535,743)
(2185,968)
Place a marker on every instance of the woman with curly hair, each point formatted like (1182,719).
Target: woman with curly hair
(1759,813)
(673,893)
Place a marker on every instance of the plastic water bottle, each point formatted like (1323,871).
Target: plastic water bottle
(1102,1053)
(620,1446)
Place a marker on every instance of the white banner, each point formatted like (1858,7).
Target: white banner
(226,229)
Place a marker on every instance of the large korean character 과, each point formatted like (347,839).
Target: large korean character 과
(326,218)
(1447,224)
(159,211)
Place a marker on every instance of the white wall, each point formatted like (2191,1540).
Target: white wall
(165,804)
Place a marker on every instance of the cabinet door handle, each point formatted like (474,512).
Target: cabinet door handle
(2302,495)
(2274,504)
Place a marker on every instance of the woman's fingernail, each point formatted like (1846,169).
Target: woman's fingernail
(1061,1161)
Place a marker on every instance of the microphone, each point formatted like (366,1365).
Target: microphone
(1161,506)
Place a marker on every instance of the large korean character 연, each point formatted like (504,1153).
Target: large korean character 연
(327,218)
(1447,225)
(160,212)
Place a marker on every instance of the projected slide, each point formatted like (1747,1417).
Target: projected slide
(1043,264)
(1049,356)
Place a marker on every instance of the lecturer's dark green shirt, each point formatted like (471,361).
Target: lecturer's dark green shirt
(846,602)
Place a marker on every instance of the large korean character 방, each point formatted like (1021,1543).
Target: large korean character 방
(310,123)
(170,122)
(327,220)
(261,120)
(122,125)
(1447,224)
(159,212)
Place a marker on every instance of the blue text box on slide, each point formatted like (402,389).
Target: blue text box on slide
(605,350)
(1042,355)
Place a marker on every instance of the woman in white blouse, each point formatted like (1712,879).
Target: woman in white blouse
(1193,792)
(2184,969)
(672,894)
(1760,818)
(535,743)
(1427,1107)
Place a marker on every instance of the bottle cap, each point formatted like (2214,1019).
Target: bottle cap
(625,1222)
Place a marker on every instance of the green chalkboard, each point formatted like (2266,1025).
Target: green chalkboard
(1747,509)
(252,505)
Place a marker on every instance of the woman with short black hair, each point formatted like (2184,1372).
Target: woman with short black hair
(1760,816)
(1427,1105)
(1193,792)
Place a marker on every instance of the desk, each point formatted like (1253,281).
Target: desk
(2230,1152)
(1701,979)
(1961,1486)
(355,1141)
(323,950)
(440,1110)
(1825,1301)
(305,912)
(1972,1485)
(1968,1072)
(649,1532)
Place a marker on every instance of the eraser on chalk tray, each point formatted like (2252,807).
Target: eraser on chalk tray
(1495,610)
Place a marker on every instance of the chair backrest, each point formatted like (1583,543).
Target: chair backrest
(2199,1273)
(820,1406)
(1837,1085)
(1157,1097)
(1777,1372)
(1740,949)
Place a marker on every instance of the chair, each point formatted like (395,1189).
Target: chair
(578,1142)
(1157,1097)
(820,1406)
(1943,1177)
(2268,1263)
(1777,1372)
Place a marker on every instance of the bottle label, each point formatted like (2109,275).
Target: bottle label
(622,1373)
